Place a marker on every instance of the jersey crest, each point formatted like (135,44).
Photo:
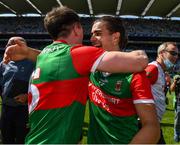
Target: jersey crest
(118,85)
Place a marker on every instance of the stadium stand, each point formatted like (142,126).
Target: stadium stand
(144,34)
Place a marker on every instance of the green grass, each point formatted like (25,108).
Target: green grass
(167,123)
(86,124)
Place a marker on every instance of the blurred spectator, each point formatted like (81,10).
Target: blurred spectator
(14,80)
(167,55)
(176,87)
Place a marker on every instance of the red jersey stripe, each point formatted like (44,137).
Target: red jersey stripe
(114,105)
(56,94)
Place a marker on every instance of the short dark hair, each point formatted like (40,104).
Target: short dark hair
(114,24)
(60,21)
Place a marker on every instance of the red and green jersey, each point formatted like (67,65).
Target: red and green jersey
(113,117)
(58,93)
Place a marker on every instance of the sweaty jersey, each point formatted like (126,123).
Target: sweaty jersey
(156,76)
(113,117)
(58,93)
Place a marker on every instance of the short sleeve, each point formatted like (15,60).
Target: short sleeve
(152,73)
(141,88)
(84,57)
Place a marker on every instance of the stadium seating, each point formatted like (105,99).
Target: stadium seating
(144,34)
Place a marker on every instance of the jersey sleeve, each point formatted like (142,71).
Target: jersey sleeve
(84,58)
(141,88)
(152,73)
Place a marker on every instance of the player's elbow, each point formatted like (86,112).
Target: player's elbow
(140,64)
(144,63)
(141,60)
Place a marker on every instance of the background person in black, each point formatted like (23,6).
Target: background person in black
(14,81)
(176,87)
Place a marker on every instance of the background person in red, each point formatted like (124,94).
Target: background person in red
(167,55)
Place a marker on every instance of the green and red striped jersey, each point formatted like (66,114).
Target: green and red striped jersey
(58,93)
(113,117)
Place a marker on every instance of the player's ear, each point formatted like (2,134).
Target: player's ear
(116,38)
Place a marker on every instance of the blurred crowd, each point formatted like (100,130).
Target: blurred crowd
(134,27)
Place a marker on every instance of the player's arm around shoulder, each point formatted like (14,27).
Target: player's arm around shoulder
(114,61)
